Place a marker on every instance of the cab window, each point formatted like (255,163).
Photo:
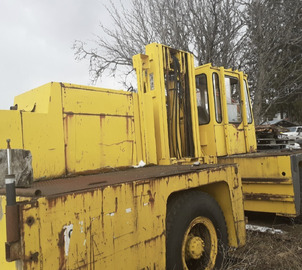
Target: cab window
(217,99)
(202,99)
(232,89)
(247,104)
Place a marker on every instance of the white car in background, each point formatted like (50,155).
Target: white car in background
(294,133)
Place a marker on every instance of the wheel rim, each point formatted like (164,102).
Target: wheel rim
(199,247)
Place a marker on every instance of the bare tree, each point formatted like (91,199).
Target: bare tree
(141,23)
(273,52)
(210,29)
(216,26)
(261,36)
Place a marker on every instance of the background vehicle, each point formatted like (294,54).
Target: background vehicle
(294,133)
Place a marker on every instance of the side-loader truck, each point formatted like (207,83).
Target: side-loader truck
(173,123)
(78,201)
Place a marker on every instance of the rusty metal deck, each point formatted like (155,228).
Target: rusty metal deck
(55,187)
(268,153)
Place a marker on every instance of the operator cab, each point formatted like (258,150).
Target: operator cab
(225,118)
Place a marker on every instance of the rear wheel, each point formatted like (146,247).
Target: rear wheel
(196,232)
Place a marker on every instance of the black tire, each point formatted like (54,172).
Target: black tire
(186,214)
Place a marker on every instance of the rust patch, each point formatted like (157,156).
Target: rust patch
(252,149)
(52,202)
(135,245)
(118,143)
(27,205)
(127,126)
(24,192)
(34,257)
(52,188)
(30,221)
(12,251)
(12,223)
(154,238)
(116,204)
(66,142)
(97,183)
(264,180)
(104,90)
(61,250)
(99,114)
(151,198)
(100,170)
(102,118)
(266,196)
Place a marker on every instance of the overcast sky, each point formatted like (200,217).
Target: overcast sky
(36,43)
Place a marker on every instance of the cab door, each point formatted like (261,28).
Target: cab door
(226,123)
(234,126)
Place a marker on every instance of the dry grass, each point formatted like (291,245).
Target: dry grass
(269,251)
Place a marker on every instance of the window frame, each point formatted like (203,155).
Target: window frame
(217,99)
(208,104)
(237,99)
(247,102)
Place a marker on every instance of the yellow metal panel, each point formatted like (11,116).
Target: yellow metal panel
(264,166)
(99,128)
(144,109)
(37,125)
(270,188)
(10,128)
(120,226)
(37,100)
(236,139)
(101,134)
(156,71)
(92,100)
(94,141)
(230,213)
(281,208)
(43,132)
(43,135)
(220,141)
(267,181)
